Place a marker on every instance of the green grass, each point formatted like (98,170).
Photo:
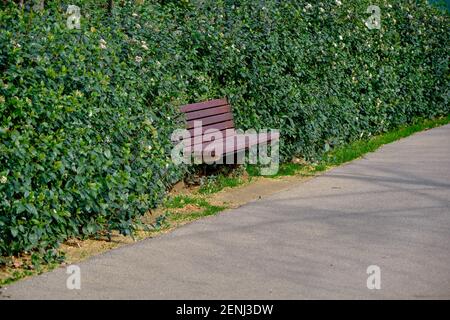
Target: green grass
(351,151)
(179,202)
(358,148)
(285,169)
(191,216)
(16,275)
(20,274)
(217,183)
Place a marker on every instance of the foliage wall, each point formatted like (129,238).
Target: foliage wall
(86,114)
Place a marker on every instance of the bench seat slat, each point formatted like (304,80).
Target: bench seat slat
(193,143)
(223,148)
(207,138)
(248,141)
(239,142)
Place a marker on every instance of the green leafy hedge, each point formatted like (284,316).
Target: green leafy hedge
(86,115)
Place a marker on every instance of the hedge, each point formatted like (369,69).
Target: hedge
(86,114)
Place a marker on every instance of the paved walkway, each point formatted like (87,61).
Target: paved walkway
(389,209)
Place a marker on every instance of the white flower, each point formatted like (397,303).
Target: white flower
(308,6)
(321,9)
(15,44)
(134,14)
(102,44)
(138,59)
(338,3)
(410,16)
(149,148)
(3,180)
(341,38)
(144,46)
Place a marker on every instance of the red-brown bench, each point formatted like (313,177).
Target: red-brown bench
(217,137)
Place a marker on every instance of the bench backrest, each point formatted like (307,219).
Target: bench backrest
(214,114)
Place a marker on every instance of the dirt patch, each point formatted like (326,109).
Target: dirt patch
(189,208)
(258,188)
(78,250)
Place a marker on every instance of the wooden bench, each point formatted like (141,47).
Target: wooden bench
(217,136)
